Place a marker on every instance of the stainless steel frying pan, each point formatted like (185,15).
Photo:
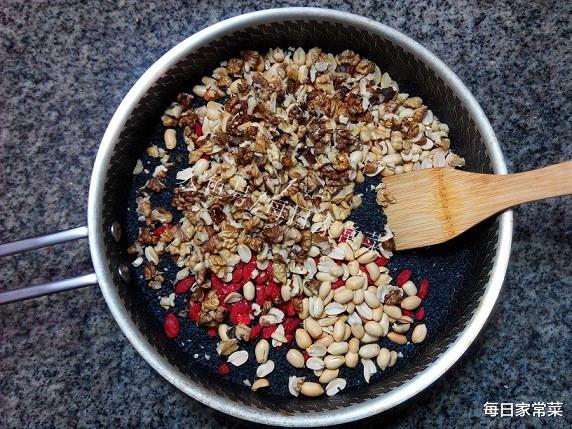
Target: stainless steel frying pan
(419,72)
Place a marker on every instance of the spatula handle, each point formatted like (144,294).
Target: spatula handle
(552,181)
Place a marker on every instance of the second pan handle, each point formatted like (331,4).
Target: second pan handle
(34,291)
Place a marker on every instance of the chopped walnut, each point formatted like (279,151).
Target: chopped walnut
(155,185)
(393,297)
(149,270)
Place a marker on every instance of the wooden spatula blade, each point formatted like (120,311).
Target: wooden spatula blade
(435,205)
(420,215)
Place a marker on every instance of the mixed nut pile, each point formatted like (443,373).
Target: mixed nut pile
(265,250)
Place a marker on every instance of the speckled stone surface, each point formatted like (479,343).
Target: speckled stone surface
(65,68)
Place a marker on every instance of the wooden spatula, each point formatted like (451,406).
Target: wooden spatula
(434,205)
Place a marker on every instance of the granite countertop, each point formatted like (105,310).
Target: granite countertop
(66,67)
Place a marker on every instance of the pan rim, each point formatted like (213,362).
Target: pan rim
(97,245)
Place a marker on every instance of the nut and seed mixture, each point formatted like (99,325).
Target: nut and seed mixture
(259,225)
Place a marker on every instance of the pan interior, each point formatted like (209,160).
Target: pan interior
(458,270)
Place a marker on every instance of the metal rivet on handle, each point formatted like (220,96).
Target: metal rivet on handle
(116,231)
(124,273)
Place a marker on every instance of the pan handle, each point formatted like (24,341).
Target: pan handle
(34,291)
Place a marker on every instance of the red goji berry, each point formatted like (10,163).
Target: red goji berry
(420,313)
(272,290)
(338,284)
(198,128)
(216,283)
(423,289)
(403,277)
(237,273)
(306,355)
(267,332)
(240,312)
(248,269)
(381,261)
(408,313)
(171,326)
(223,369)
(161,229)
(260,294)
(291,324)
(184,285)
(194,310)
(212,331)
(346,235)
(255,331)
(288,308)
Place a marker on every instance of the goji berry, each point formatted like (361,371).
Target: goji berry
(423,288)
(288,308)
(346,235)
(255,331)
(240,312)
(260,294)
(248,269)
(216,283)
(381,261)
(223,369)
(420,313)
(184,285)
(306,355)
(237,273)
(338,284)
(291,324)
(403,277)
(267,332)
(408,313)
(161,229)
(194,310)
(272,290)
(228,288)
(171,326)
(198,128)
(212,331)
